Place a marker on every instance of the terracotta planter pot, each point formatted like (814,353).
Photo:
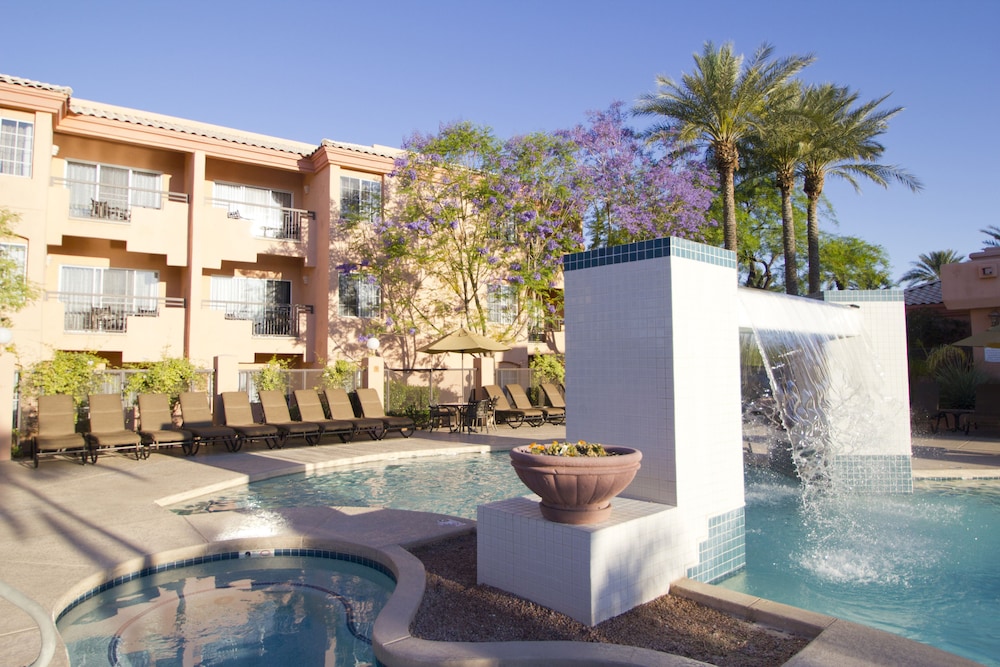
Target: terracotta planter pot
(576,489)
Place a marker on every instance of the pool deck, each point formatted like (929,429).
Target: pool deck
(67,528)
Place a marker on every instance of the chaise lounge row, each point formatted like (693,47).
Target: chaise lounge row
(58,435)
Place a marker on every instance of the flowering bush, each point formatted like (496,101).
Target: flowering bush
(579,448)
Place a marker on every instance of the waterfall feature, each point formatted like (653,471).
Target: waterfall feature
(813,388)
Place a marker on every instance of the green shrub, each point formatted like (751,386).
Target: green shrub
(545,368)
(74,373)
(170,376)
(340,374)
(273,376)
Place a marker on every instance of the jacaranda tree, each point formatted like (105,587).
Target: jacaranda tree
(473,232)
(636,190)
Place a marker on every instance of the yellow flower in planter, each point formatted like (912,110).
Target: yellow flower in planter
(579,448)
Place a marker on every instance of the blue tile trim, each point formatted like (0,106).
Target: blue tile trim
(652,249)
(874,474)
(228,555)
(857,296)
(724,552)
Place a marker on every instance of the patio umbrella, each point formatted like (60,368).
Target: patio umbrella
(988,338)
(464,342)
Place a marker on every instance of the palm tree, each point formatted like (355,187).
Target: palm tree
(719,104)
(993,232)
(928,268)
(844,144)
(775,151)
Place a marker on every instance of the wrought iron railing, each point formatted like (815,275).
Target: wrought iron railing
(86,312)
(114,203)
(269,319)
(271,222)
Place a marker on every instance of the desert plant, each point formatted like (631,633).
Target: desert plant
(956,375)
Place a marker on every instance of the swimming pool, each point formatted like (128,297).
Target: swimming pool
(286,607)
(922,566)
(925,570)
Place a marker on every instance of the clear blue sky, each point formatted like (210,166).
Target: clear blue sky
(374,72)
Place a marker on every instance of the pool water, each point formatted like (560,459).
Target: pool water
(242,611)
(922,565)
(453,485)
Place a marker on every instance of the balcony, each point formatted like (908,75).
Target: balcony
(140,328)
(268,319)
(110,313)
(268,222)
(148,221)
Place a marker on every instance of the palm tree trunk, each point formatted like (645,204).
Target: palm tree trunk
(813,188)
(727,160)
(788,239)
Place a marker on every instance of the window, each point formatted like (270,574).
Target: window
(16,253)
(99,299)
(268,209)
(107,192)
(360,198)
(360,296)
(15,147)
(502,304)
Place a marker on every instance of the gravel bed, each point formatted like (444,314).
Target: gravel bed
(456,608)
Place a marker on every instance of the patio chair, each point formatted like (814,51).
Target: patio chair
(556,409)
(370,405)
(156,425)
(513,417)
(311,409)
(276,414)
(197,419)
(57,434)
(478,414)
(341,408)
(107,431)
(925,397)
(238,415)
(522,402)
(986,413)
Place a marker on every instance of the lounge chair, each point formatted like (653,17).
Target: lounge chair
(237,415)
(57,434)
(107,430)
(197,419)
(522,402)
(556,409)
(370,406)
(311,409)
(156,425)
(341,408)
(276,414)
(506,414)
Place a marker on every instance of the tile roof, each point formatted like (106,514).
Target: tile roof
(922,295)
(148,119)
(28,83)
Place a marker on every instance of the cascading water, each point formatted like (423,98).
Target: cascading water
(812,385)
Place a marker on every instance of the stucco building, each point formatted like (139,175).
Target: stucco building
(152,236)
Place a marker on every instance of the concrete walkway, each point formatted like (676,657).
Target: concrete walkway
(68,528)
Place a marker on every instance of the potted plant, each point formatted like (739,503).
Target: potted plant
(576,481)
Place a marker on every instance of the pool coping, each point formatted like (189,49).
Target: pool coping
(36,500)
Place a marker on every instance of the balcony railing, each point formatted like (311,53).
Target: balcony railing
(268,319)
(269,222)
(86,312)
(113,203)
